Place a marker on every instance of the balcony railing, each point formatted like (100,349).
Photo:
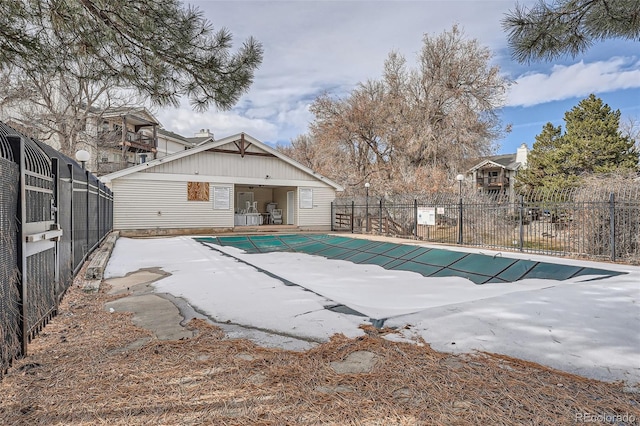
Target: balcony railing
(493,181)
(137,140)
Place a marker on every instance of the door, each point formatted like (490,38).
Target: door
(290,208)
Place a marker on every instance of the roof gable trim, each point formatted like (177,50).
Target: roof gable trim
(493,163)
(211,146)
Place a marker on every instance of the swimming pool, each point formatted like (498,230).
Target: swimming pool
(427,261)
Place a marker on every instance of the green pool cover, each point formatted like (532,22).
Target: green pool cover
(430,262)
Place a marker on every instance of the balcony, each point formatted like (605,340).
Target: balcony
(136,141)
(492,182)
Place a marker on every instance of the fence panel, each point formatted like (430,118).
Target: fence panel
(441,224)
(10,346)
(40,276)
(64,217)
(38,234)
(490,224)
(52,214)
(598,225)
(92,211)
(80,215)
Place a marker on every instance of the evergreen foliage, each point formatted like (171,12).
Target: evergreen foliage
(160,48)
(548,31)
(591,144)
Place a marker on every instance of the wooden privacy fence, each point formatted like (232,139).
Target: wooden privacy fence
(594,224)
(52,215)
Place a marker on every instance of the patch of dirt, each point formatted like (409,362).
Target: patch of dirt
(90,366)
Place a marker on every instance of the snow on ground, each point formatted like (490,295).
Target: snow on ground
(591,328)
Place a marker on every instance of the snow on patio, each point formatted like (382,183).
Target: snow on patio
(591,328)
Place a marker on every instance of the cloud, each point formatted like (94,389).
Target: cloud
(577,80)
(186,122)
(316,46)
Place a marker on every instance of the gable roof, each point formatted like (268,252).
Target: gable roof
(176,137)
(214,144)
(505,161)
(200,139)
(135,115)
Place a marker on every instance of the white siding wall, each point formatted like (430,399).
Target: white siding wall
(155,197)
(151,204)
(319,217)
(166,147)
(221,164)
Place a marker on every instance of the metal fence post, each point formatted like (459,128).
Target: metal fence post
(87,237)
(98,208)
(111,211)
(71,223)
(97,224)
(520,223)
(460,220)
(415,218)
(17,146)
(612,225)
(55,208)
(332,217)
(380,217)
(353,210)
(366,211)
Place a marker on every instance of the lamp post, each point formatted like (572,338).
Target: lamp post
(460,178)
(83,156)
(366,209)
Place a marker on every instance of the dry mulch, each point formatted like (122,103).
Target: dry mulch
(89,367)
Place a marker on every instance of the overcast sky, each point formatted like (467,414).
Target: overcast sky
(315,46)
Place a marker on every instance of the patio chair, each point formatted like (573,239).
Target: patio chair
(276,216)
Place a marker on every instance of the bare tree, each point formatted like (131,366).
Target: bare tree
(630,127)
(451,103)
(64,62)
(411,130)
(59,108)
(306,152)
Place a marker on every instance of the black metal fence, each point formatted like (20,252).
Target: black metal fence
(53,213)
(586,223)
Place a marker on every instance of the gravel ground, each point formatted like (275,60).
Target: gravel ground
(90,366)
